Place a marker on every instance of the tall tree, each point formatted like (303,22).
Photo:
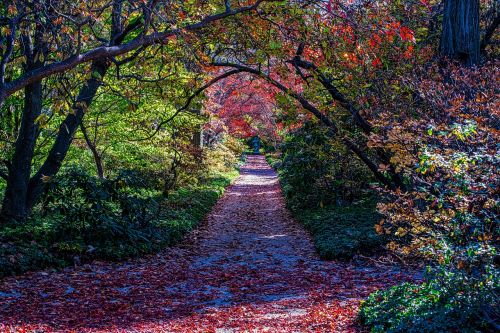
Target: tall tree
(460,38)
(34,50)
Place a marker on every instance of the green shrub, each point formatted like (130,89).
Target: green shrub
(447,302)
(341,232)
(315,170)
(84,218)
(328,192)
(17,256)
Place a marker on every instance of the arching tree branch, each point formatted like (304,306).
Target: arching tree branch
(103,52)
(318,114)
(189,100)
(489,32)
(298,63)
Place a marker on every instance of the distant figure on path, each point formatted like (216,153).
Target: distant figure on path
(256,145)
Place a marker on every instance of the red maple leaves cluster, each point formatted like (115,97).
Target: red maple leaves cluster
(242,106)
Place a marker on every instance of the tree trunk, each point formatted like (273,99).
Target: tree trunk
(197,138)
(95,153)
(14,206)
(460,37)
(66,133)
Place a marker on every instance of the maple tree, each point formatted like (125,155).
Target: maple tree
(243,113)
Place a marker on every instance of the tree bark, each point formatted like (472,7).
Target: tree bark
(14,206)
(66,133)
(460,37)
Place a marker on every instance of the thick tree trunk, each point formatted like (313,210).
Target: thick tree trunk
(460,37)
(66,133)
(22,193)
(14,206)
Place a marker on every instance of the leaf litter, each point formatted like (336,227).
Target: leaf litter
(249,267)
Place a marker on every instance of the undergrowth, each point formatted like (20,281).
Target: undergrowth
(84,219)
(445,302)
(342,232)
(338,231)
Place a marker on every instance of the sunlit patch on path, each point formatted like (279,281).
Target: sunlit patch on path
(249,268)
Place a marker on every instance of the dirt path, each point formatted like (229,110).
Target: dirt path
(249,268)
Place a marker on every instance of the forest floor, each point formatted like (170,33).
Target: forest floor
(248,268)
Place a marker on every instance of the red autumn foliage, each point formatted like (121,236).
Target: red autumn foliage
(244,105)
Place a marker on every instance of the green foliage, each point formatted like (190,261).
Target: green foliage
(448,302)
(342,232)
(91,202)
(315,170)
(327,192)
(83,218)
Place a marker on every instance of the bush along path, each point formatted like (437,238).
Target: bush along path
(248,268)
